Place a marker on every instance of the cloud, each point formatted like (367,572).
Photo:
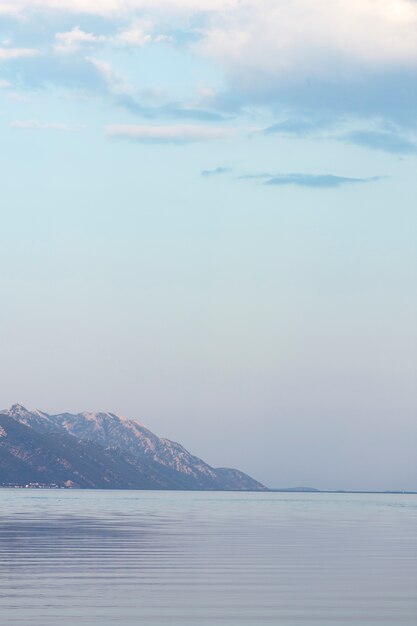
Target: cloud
(168,110)
(79,71)
(115,82)
(316,180)
(327,56)
(304,59)
(7,54)
(319,181)
(255,176)
(381,140)
(37,125)
(115,8)
(217,170)
(175,134)
(297,127)
(74,39)
(300,34)
(137,34)
(391,141)
(75,72)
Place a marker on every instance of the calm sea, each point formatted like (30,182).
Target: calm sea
(101,558)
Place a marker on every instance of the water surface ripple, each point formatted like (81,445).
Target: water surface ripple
(90,558)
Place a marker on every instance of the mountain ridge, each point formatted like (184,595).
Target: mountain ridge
(133,454)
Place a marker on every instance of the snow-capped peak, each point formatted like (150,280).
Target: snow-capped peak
(17,410)
(20,412)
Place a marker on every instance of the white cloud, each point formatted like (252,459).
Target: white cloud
(137,34)
(115,81)
(300,35)
(279,51)
(333,57)
(74,39)
(116,7)
(7,54)
(270,35)
(178,133)
(37,125)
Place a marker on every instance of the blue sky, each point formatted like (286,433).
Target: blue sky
(208,222)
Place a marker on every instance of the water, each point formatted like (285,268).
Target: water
(90,558)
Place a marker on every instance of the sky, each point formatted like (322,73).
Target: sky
(208,222)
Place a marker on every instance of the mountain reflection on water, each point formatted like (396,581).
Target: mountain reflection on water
(158,558)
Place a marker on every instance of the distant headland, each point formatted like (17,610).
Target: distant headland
(101,451)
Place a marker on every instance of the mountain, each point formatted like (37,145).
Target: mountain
(102,450)
(27,456)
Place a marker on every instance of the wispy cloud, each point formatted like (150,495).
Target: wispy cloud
(177,110)
(175,134)
(259,175)
(73,40)
(391,141)
(381,140)
(297,127)
(115,82)
(307,180)
(298,179)
(7,54)
(136,34)
(317,180)
(45,71)
(216,171)
(115,8)
(37,125)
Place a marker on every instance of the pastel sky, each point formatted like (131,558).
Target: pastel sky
(208,222)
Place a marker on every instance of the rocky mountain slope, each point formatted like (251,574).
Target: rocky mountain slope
(102,450)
